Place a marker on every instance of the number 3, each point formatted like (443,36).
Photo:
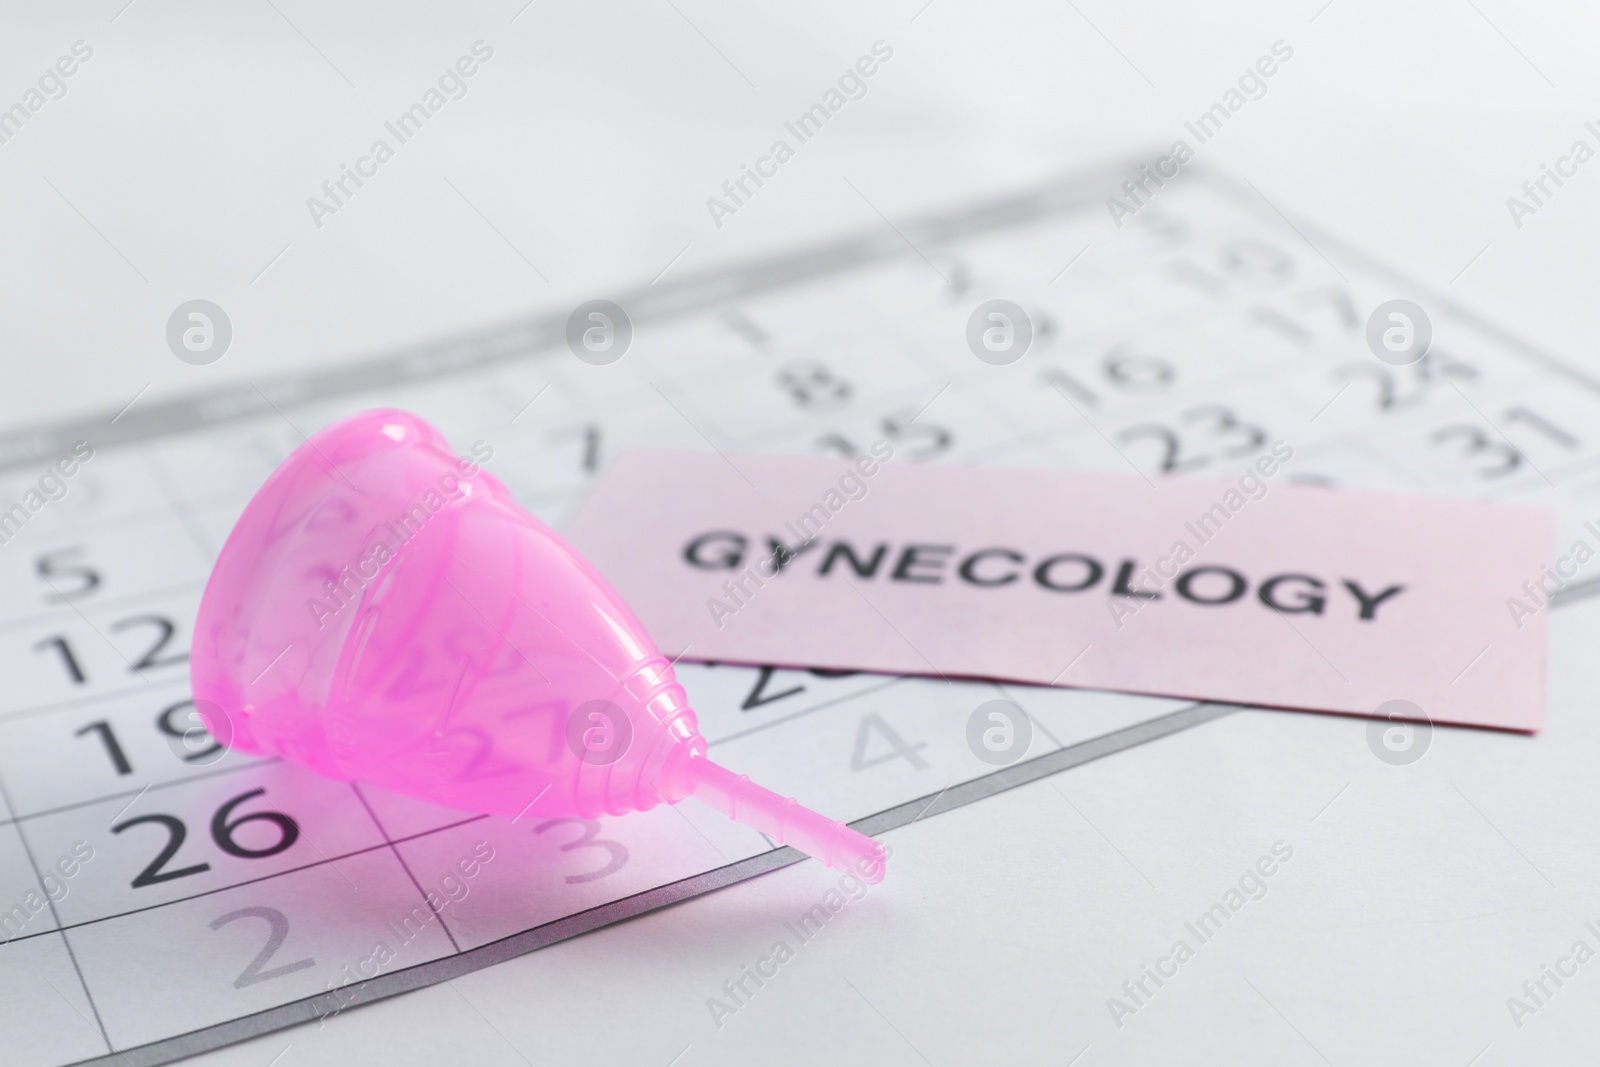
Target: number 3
(1479,442)
(591,827)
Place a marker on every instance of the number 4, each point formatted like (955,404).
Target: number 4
(898,749)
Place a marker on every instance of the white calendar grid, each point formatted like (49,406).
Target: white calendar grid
(212,897)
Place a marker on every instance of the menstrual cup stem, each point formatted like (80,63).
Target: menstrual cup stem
(785,820)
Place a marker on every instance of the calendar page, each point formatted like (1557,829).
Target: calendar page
(161,894)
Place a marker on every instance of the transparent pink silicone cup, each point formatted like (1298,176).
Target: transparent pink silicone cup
(386,612)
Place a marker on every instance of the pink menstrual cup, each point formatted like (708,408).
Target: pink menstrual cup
(384,611)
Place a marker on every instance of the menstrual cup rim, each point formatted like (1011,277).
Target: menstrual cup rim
(328,448)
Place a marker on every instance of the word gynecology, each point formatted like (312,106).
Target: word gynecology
(1125,579)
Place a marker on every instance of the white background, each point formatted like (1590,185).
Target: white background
(178,166)
(591,141)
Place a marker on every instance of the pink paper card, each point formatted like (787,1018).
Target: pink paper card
(1250,591)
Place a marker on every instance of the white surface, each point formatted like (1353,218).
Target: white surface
(1395,934)
(194,137)
(592,140)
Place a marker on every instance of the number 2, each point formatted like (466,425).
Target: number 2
(758,694)
(278,923)
(222,829)
(176,832)
(152,656)
(1224,424)
(149,659)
